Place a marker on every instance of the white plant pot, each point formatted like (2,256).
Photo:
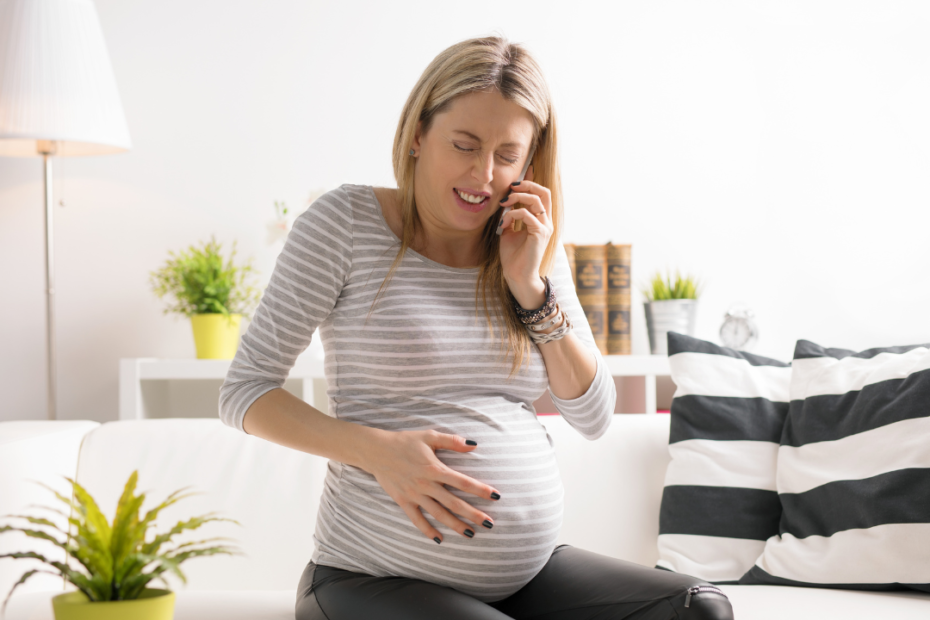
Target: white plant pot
(670,315)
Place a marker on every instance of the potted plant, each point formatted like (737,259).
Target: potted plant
(112,584)
(212,294)
(670,307)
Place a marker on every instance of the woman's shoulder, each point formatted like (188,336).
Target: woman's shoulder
(347,195)
(344,206)
(331,219)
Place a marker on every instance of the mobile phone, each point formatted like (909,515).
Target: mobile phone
(517,225)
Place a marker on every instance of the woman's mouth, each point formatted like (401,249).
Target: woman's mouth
(473,207)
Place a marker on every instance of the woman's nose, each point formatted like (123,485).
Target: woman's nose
(484,168)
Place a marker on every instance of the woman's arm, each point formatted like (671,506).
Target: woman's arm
(580,385)
(571,364)
(403,462)
(305,285)
(582,389)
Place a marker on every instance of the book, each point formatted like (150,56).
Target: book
(591,286)
(618,299)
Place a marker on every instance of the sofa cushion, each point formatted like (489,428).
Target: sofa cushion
(44,451)
(854,472)
(749,603)
(719,504)
(188,605)
(271,490)
(613,485)
(795,603)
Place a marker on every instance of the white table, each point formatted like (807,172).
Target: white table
(146,390)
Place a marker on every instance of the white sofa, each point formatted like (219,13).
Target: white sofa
(613,489)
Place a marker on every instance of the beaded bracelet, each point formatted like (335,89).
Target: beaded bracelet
(533,316)
(556,334)
(556,319)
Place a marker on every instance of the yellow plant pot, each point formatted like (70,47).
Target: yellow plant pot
(152,604)
(215,337)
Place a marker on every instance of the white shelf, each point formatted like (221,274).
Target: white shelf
(155,368)
(309,375)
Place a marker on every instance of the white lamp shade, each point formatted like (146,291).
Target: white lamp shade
(56,82)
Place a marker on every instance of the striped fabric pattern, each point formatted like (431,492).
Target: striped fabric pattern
(719,504)
(422,360)
(854,472)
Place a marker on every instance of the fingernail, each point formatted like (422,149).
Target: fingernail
(469,533)
(487,524)
(516,182)
(495,496)
(437,540)
(469,442)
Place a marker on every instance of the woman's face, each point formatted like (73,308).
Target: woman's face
(477,147)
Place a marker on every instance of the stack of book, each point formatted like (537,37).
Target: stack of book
(602,282)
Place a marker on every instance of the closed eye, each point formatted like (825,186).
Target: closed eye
(509,161)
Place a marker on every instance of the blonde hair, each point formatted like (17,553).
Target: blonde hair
(482,64)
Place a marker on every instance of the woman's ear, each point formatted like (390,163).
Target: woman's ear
(416,136)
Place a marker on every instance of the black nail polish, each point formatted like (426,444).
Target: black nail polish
(469,442)
(469,533)
(487,524)
(495,496)
(516,182)
(437,540)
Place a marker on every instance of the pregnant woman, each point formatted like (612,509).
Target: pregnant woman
(442,498)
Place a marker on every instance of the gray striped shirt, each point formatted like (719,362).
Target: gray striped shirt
(423,360)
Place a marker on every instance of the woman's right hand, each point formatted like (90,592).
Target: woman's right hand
(405,464)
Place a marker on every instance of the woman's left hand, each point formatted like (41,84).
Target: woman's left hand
(522,251)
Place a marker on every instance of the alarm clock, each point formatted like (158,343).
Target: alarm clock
(739,331)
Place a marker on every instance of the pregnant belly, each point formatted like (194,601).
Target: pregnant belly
(361,528)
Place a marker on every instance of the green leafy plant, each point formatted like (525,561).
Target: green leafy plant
(662,288)
(114,555)
(202,284)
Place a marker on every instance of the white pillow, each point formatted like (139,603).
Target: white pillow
(853,473)
(719,504)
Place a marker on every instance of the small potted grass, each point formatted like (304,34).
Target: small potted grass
(671,306)
(112,581)
(212,292)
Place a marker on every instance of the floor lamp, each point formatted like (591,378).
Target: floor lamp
(58,98)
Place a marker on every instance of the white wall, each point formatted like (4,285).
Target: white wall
(777,149)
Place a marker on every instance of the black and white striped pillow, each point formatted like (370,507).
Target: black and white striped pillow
(853,472)
(719,504)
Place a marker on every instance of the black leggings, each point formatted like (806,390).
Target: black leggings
(573,585)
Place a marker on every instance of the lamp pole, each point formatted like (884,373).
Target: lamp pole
(46,149)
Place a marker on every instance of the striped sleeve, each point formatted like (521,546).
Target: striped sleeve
(590,414)
(307,279)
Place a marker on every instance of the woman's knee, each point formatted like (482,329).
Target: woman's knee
(707,607)
(704,605)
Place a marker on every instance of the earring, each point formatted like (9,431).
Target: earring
(411,151)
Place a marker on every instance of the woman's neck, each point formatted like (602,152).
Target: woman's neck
(451,248)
